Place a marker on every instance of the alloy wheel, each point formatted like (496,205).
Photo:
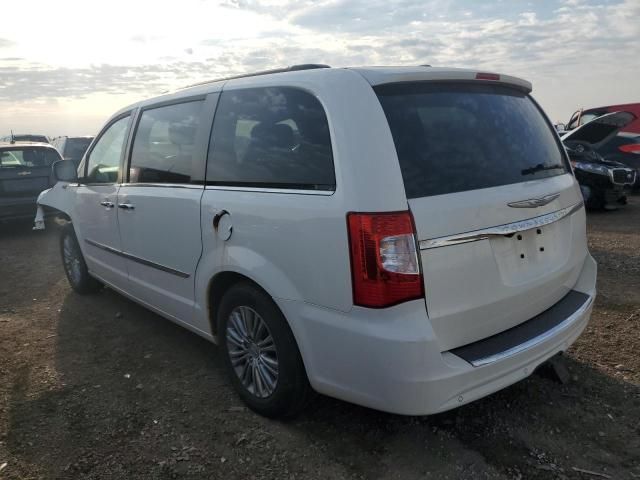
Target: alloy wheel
(252,351)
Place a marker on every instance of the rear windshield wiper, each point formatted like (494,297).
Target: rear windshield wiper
(541,167)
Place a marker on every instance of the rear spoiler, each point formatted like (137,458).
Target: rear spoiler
(381,76)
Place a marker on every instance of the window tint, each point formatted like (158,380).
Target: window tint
(587,117)
(272,138)
(28,157)
(163,148)
(452,138)
(584,118)
(573,121)
(74,148)
(104,160)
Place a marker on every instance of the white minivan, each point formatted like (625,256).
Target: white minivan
(405,238)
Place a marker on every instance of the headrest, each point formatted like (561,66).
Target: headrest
(278,135)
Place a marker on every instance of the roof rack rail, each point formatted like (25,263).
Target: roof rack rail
(292,68)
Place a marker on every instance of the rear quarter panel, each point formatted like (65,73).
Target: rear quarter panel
(295,245)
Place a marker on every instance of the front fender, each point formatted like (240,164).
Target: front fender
(58,197)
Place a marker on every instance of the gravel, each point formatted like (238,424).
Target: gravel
(99,388)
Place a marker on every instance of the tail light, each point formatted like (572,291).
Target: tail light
(630,148)
(384,260)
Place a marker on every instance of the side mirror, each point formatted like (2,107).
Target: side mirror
(65,171)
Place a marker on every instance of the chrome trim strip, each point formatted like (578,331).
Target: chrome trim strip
(142,261)
(106,248)
(500,230)
(271,190)
(536,340)
(165,185)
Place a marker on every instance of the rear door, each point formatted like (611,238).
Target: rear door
(159,206)
(497,211)
(24,172)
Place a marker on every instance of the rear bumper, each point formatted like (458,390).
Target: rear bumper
(17,208)
(390,360)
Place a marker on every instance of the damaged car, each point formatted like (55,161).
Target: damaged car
(604,183)
(623,147)
(409,239)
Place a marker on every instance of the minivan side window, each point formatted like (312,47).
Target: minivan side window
(103,163)
(164,144)
(273,137)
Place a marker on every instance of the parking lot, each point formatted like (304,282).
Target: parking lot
(98,387)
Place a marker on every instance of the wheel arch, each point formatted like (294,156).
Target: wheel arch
(219,284)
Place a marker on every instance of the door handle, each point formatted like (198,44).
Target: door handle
(126,206)
(107,203)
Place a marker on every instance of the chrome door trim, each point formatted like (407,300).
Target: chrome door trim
(163,185)
(532,342)
(500,230)
(326,193)
(142,261)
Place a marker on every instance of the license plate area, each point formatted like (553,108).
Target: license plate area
(525,256)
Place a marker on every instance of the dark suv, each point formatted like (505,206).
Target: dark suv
(622,147)
(72,148)
(25,171)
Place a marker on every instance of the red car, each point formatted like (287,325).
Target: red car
(624,146)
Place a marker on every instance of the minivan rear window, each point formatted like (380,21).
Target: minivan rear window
(28,157)
(457,137)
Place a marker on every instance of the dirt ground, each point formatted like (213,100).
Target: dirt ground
(98,387)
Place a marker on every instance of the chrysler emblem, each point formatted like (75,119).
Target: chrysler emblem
(534,202)
(22,174)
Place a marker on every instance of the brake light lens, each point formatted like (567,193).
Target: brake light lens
(487,76)
(384,259)
(630,148)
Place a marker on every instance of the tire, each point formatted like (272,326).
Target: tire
(252,356)
(74,265)
(596,201)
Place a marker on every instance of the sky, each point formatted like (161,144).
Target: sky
(66,66)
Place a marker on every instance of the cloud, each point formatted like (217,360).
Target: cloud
(497,35)
(560,44)
(6,43)
(43,82)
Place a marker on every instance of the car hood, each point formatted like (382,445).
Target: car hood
(601,129)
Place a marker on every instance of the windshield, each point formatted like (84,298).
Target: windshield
(28,157)
(458,137)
